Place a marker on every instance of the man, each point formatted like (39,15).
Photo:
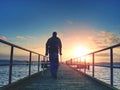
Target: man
(53,48)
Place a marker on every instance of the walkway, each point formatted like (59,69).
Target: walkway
(68,79)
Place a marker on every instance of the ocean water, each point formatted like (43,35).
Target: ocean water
(103,74)
(20,71)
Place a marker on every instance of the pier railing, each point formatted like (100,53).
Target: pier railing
(80,64)
(29,63)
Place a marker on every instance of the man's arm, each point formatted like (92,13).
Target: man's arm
(47,47)
(60,46)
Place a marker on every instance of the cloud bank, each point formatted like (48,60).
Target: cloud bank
(3,38)
(20,37)
(104,39)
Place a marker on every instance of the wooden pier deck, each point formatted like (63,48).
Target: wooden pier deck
(68,79)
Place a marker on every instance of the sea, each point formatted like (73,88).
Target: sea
(103,74)
(21,71)
(18,72)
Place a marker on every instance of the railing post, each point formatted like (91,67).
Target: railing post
(111,66)
(80,62)
(44,61)
(38,62)
(47,59)
(11,64)
(30,63)
(93,72)
(85,65)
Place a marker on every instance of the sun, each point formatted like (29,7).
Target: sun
(78,52)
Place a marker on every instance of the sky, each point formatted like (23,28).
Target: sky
(86,24)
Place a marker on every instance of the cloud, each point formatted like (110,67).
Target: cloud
(69,22)
(105,54)
(31,37)
(20,37)
(3,38)
(105,39)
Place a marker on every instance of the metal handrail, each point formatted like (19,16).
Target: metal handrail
(12,54)
(93,60)
(116,45)
(10,44)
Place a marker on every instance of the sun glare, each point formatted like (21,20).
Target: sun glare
(80,51)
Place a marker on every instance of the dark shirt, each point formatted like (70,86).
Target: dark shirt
(53,45)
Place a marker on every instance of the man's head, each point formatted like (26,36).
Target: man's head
(54,34)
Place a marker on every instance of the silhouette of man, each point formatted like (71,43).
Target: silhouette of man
(53,48)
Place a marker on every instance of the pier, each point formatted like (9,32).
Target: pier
(68,79)
(70,76)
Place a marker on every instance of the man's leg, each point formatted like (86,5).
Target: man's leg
(54,65)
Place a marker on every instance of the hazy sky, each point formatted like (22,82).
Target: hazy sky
(90,24)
